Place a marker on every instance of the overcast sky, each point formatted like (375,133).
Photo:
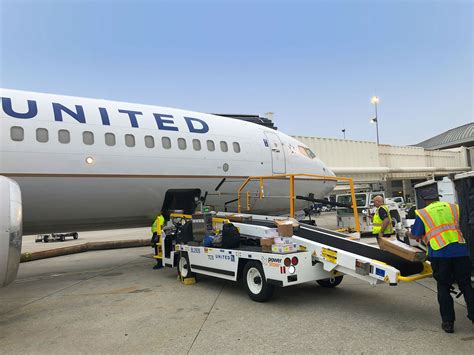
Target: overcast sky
(314,64)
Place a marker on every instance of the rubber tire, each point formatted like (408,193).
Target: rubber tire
(330,283)
(189,273)
(75,235)
(62,238)
(45,239)
(267,290)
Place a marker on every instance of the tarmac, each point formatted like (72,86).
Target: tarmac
(112,301)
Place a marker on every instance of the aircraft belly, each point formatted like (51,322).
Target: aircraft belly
(55,204)
(97,203)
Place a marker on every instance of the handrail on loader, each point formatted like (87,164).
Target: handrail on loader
(292,191)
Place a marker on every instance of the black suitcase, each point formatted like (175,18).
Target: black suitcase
(230,236)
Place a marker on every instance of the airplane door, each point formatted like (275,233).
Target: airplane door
(278,156)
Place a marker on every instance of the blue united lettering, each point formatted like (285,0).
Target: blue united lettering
(62,113)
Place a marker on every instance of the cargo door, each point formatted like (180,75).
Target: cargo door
(278,155)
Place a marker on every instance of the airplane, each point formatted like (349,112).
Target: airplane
(73,163)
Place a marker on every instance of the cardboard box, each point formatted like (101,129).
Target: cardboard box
(266,244)
(403,250)
(285,228)
(284,248)
(283,240)
(270,233)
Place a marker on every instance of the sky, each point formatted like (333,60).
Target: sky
(315,64)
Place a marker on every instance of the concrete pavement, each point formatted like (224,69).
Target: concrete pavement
(112,301)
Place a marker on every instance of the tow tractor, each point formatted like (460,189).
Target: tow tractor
(318,254)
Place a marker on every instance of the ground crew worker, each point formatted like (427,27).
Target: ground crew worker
(438,225)
(381,222)
(157,230)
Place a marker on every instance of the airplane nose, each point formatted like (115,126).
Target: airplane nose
(329,172)
(325,170)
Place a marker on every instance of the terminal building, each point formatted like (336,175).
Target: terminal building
(396,169)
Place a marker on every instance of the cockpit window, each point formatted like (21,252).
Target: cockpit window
(306,152)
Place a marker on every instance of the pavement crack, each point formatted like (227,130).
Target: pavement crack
(205,319)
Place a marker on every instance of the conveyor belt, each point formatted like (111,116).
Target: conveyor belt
(337,240)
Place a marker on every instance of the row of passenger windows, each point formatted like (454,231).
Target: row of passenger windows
(42,135)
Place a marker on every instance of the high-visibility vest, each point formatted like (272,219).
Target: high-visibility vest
(156,227)
(377,222)
(441,221)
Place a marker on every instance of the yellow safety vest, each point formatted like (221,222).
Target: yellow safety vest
(441,221)
(156,227)
(377,222)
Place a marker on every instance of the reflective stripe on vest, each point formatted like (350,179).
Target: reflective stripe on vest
(438,234)
(377,222)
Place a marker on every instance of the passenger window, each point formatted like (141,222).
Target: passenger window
(88,137)
(196,144)
(182,143)
(110,139)
(166,142)
(236,147)
(211,146)
(64,136)
(42,135)
(149,142)
(224,147)
(130,140)
(17,133)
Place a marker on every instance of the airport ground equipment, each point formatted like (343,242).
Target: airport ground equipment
(443,187)
(322,255)
(464,188)
(55,237)
(366,209)
(292,178)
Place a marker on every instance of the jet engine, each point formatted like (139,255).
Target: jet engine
(10,229)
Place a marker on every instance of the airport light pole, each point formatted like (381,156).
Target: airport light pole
(344,132)
(375,100)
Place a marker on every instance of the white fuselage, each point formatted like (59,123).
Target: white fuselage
(86,164)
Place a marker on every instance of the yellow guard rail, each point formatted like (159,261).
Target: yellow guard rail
(292,190)
(426,272)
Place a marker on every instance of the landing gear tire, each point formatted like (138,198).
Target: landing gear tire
(330,283)
(255,282)
(184,268)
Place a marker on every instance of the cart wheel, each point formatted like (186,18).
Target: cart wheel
(330,283)
(184,269)
(62,238)
(46,239)
(75,235)
(255,282)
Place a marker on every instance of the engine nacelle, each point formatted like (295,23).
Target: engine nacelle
(10,229)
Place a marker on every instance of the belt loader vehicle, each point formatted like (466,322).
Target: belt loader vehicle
(321,255)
